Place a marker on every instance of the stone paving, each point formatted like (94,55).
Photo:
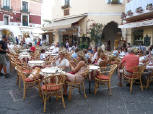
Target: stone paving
(121,102)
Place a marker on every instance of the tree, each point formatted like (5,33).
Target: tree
(95,32)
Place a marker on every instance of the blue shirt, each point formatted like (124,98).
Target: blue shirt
(74,55)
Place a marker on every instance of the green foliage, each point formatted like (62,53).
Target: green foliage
(95,32)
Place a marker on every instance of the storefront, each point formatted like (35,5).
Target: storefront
(66,30)
(139,33)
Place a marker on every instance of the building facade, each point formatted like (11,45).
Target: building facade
(24,14)
(81,14)
(138,22)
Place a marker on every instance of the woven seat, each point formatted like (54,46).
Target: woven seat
(50,87)
(103,77)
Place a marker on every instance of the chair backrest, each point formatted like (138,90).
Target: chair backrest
(137,71)
(56,79)
(112,69)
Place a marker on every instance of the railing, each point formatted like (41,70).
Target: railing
(7,8)
(114,1)
(25,11)
(138,7)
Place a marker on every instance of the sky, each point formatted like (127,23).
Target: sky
(46,9)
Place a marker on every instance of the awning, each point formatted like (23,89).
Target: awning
(63,23)
(137,24)
(14,29)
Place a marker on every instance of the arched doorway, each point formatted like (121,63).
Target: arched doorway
(111,32)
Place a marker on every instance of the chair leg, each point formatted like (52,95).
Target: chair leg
(79,89)
(96,86)
(131,85)
(24,92)
(70,93)
(148,82)
(109,88)
(63,102)
(45,100)
(19,81)
(40,92)
(84,91)
(141,84)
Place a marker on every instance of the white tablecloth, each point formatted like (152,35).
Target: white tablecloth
(36,63)
(51,71)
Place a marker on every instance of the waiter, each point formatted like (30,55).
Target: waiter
(3,59)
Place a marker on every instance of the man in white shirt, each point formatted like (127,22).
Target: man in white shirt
(56,49)
(62,62)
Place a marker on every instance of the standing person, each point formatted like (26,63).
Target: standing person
(67,45)
(3,59)
(17,40)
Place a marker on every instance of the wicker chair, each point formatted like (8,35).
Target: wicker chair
(149,80)
(136,75)
(29,83)
(53,86)
(75,84)
(100,79)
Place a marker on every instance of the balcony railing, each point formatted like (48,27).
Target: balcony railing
(25,11)
(114,1)
(6,8)
(138,7)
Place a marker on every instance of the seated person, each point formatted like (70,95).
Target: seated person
(32,48)
(42,55)
(56,49)
(34,74)
(74,54)
(76,71)
(62,62)
(115,53)
(129,62)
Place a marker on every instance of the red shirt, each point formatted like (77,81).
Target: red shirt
(32,49)
(130,61)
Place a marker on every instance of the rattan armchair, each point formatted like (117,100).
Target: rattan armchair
(76,84)
(136,75)
(53,86)
(102,79)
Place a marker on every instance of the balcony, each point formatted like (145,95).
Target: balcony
(138,7)
(114,1)
(6,8)
(65,6)
(25,11)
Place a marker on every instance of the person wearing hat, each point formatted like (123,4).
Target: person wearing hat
(62,62)
(3,60)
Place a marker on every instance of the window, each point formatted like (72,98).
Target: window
(67,2)
(6,20)
(25,20)
(24,6)
(6,4)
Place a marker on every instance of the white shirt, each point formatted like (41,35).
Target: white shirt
(63,63)
(42,56)
(55,50)
(94,57)
(28,40)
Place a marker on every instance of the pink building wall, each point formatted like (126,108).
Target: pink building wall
(34,9)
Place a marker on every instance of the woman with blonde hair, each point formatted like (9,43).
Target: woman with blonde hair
(76,71)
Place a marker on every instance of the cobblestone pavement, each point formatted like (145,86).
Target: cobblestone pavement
(121,102)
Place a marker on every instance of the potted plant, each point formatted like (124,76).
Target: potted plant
(139,10)
(149,6)
(130,13)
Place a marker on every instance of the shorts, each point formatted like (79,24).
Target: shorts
(3,59)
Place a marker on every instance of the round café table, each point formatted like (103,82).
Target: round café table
(91,69)
(35,63)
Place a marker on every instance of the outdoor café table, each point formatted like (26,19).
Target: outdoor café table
(91,69)
(35,63)
(24,55)
(51,71)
